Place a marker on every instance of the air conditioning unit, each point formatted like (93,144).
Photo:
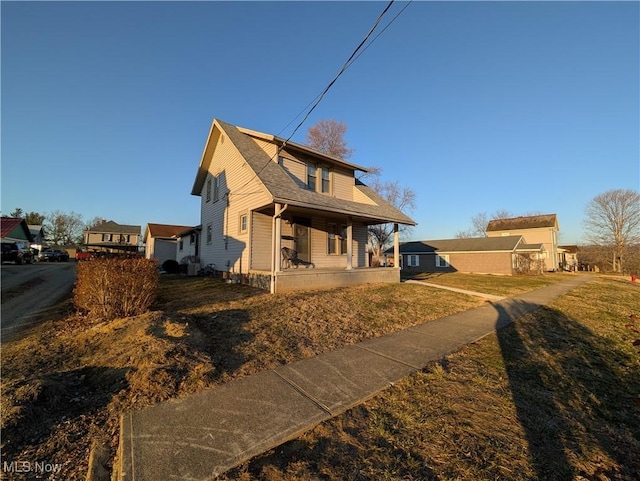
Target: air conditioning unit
(193,269)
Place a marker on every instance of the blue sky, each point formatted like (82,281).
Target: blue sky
(477,106)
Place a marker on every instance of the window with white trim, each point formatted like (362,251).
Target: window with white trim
(216,188)
(106,237)
(336,239)
(413,261)
(442,260)
(209,233)
(243,223)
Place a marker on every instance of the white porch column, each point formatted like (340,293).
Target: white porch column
(278,246)
(349,244)
(276,243)
(396,246)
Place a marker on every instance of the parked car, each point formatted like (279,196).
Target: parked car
(17,252)
(53,255)
(83,255)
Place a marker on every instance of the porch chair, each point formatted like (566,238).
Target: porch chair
(290,256)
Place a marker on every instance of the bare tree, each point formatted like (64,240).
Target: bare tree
(403,199)
(479,223)
(64,229)
(613,220)
(478,227)
(327,136)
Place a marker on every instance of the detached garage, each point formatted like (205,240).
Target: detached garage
(484,255)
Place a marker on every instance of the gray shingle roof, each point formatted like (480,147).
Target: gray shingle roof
(523,222)
(477,244)
(112,227)
(283,188)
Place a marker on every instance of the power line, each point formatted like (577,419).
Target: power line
(349,63)
(342,70)
(359,50)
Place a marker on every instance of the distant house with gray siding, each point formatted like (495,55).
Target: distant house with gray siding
(484,255)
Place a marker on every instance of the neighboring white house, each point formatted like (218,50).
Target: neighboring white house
(161,241)
(188,245)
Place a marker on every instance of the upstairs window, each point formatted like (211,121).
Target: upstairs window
(209,233)
(208,190)
(106,237)
(216,188)
(311,177)
(326,180)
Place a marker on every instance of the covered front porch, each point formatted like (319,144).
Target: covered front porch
(330,248)
(308,279)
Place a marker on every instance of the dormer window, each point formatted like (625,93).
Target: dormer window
(321,184)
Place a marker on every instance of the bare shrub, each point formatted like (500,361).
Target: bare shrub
(111,288)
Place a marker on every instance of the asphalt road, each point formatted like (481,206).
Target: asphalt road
(28,290)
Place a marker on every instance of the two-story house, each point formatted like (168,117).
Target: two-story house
(537,229)
(111,237)
(263,197)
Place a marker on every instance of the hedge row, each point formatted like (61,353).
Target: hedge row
(112,288)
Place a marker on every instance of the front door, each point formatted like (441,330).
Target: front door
(302,241)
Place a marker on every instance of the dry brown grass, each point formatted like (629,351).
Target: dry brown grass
(66,382)
(472,416)
(552,397)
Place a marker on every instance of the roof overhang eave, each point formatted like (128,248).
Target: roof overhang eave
(354,213)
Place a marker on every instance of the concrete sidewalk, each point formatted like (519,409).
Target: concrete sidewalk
(489,297)
(203,435)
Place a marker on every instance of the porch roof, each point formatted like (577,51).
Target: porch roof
(283,189)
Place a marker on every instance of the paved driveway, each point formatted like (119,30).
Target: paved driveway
(27,291)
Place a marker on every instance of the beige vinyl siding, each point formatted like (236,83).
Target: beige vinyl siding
(342,183)
(360,239)
(319,254)
(296,169)
(475,262)
(547,236)
(269,148)
(96,238)
(234,174)
(359,196)
(260,241)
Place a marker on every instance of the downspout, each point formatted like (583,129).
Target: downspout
(276,243)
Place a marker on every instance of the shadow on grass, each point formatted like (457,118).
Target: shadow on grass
(219,336)
(573,396)
(56,399)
